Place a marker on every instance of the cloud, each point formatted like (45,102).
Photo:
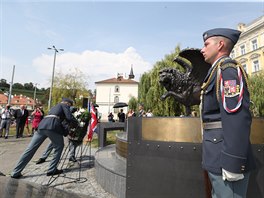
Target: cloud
(97,65)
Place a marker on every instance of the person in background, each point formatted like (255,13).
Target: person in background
(111,117)
(227,154)
(21,117)
(53,126)
(27,127)
(130,113)
(42,111)
(37,117)
(149,113)
(141,111)
(6,116)
(121,116)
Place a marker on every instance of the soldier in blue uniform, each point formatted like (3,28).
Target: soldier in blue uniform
(227,154)
(54,127)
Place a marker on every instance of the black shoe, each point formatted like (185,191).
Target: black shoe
(56,172)
(72,159)
(16,176)
(6,137)
(40,161)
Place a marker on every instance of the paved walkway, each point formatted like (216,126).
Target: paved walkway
(75,180)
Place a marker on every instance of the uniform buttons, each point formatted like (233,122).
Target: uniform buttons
(242,168)
(214,140)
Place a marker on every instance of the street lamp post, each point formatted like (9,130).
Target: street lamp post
(35,90)
(53,70)
(11,85)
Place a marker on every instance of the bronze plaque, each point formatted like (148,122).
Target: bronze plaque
(187,129)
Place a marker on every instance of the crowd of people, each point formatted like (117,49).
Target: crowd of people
(20,118)
(122,117)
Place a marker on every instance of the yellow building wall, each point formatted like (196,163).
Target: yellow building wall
(251,32)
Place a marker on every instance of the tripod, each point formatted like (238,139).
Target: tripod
(65,156)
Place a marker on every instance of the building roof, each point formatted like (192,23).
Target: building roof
(16,100)
(118,80)
(3,99)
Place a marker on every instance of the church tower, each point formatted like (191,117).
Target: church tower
(131,75)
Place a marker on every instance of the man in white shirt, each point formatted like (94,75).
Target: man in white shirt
(6,115)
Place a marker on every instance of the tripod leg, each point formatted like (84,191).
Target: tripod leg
(80,169)
(53,178)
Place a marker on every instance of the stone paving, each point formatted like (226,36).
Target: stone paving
(75,179)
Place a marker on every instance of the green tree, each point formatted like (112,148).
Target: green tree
(3,83)
(29,86)
(18,86)
(132,103)
(257,93)
(150,89)
(72,85)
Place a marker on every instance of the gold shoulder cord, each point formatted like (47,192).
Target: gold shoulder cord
(206,84)
(218,77)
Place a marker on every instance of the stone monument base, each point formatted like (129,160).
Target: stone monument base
(111,171)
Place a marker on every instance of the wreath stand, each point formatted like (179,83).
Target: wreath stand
(64,156)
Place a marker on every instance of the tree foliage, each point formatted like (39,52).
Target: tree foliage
(150,89)
(132,104)
(257,93)
(3,83)
(29,86)
(18,86)
(72,85)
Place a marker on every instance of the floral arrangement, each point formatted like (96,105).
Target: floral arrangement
(83,118)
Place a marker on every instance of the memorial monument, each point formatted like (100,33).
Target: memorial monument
(162,155)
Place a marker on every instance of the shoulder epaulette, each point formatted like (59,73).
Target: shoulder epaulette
(229,63)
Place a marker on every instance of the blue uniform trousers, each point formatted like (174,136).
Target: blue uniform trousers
(37,139)
(47,151)
(228,189)
(72,148)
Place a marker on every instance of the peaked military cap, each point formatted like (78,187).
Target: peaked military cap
(231,34)
(67,100)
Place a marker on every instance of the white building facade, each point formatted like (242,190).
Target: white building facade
(111,91)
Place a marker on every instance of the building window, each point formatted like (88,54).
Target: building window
(117,88)
(255,66)
(232,55)
(242,49)
(116,99)
(254,44)
(245,67)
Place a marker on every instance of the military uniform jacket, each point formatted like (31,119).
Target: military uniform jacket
(229,146)
(55,120)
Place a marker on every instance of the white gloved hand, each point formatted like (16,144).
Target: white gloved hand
(231,176)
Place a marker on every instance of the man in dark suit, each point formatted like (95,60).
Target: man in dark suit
(227,153)
(21,117)
(54,127)
(121,116)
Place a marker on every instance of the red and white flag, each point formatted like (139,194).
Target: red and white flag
(93,124)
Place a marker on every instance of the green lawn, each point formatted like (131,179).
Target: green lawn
(111,135)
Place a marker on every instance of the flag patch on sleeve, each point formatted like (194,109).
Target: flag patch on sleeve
(231,88)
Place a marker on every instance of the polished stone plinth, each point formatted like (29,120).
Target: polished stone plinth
(15,188)
(111,171)
(121,144)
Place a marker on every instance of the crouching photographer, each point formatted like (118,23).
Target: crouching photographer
(51,126)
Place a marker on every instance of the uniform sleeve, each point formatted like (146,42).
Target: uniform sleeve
(236,121)
(67,113)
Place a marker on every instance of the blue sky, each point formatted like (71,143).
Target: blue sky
(103,38)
